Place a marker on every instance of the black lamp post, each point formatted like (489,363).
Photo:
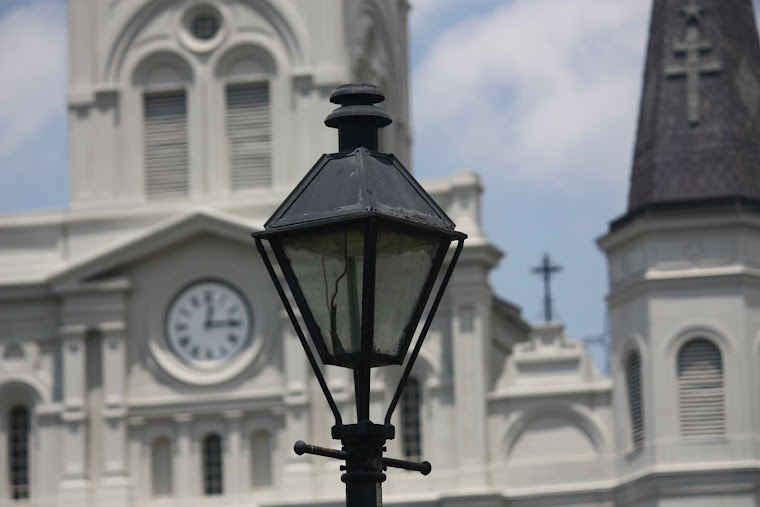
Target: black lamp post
(360,245)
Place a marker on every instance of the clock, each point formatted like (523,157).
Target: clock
(208,323)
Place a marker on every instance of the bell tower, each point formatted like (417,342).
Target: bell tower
(683,260)
(217,102)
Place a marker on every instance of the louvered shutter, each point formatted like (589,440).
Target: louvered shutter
(700,390)
(248,131)
(635,401)
(166,159)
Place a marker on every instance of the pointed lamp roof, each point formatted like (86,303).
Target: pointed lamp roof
(358,180)
(698,136)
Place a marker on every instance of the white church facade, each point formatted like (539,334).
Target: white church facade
(191,120)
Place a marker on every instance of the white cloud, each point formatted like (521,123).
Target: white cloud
(543,91)
(33,84)
(421,10)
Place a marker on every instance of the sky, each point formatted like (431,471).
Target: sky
(540,97)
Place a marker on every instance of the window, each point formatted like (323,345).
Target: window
(205,25)
(161,467)
(635,402)
(212,464)
(700,390)
(410,419)
(166,147)
(261,460)
(248,132)
(18,452)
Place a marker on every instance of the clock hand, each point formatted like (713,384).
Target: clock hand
(209,315)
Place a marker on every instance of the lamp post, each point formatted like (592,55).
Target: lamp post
(361,246)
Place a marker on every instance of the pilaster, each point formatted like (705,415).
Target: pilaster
(136,449)
(471,327)
(296,472)
(115,489)
(74,489)
(233,459)
(183,459)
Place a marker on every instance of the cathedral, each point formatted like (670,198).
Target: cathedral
(191,120)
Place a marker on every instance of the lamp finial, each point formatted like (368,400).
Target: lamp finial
(357,119)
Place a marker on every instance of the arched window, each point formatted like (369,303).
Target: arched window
(18,452)
(165,78)
(161,467)
(411,437)
(247,70)
(635,401)
(700,390)
(212,464)
(261,460)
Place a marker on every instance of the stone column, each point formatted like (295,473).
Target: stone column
(74,488)
(233,443)
(185,474)
(115,484)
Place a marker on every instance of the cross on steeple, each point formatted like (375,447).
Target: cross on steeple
(692,12)
(546,269)
(692,67)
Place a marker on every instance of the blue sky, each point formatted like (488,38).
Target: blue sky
(538,96)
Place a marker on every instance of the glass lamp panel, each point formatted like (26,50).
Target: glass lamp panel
(404,259)
(328,265)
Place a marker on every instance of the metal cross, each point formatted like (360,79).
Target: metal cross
(547,269)
(692,47)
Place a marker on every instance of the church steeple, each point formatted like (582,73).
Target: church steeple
(698,136)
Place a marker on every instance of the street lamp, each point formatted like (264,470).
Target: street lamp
(360,245)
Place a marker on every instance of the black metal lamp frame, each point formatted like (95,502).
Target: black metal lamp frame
(363,442)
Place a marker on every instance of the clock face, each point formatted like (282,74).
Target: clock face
(208,323)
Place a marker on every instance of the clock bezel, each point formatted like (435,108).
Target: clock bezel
(168,284)
(247,339)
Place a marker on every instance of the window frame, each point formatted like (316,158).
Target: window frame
(410,415)
(705,422)
(212,464)
(635,406)
(19,490)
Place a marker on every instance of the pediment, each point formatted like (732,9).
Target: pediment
(104,264)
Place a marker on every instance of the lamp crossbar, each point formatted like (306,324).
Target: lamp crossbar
(302,447)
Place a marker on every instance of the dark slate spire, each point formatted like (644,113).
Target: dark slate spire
(698,137)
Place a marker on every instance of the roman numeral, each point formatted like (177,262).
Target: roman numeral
(232,338)
(185,312)
(184,341)
(180,326)
(196,352)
